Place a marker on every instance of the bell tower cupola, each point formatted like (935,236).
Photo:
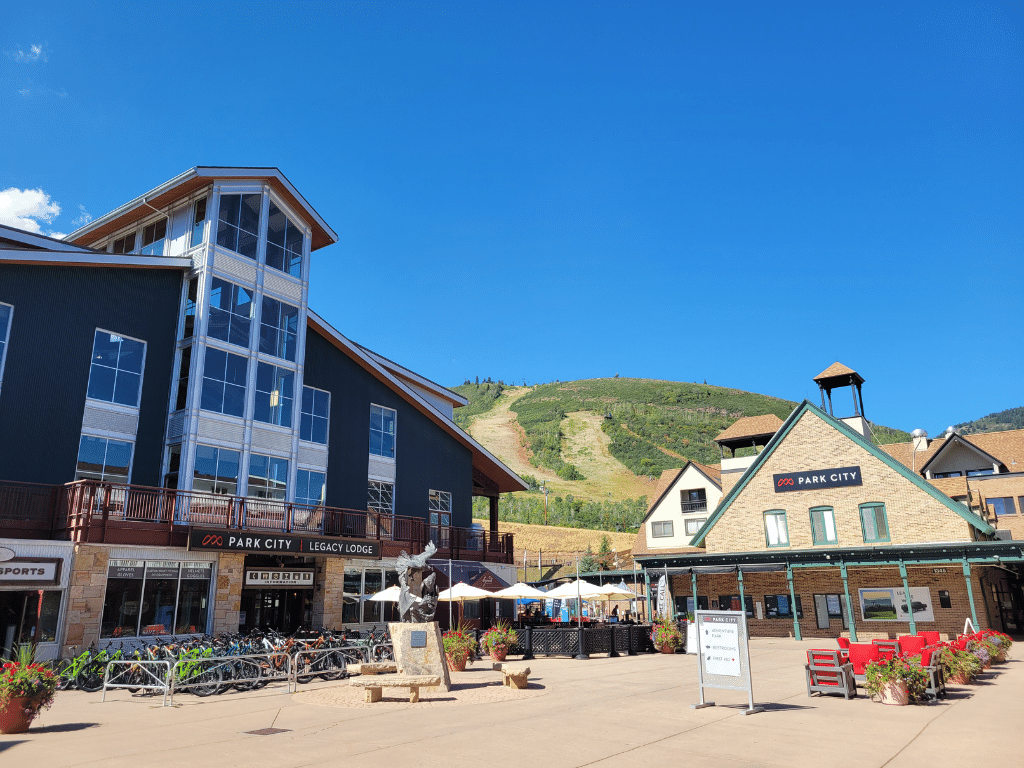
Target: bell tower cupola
(837,376)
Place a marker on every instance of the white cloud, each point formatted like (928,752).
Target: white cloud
(58,235)
(35,53)
(25,92)
(84,218)
(26,208)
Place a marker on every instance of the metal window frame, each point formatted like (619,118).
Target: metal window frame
(885,516)
(92,363)
(314,416)
(785,526)
(662,523)
(826,540)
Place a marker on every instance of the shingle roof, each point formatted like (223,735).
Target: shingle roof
(836,369)
(751,426)
(1006,446)
(664,483)
(712,471)
(640,542)
(904,453)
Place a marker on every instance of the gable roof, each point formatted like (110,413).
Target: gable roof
(836,369)
(857,438)
(195,179)
(668,479)
(957,440)
(504,479)
(1005,447)
(751,426)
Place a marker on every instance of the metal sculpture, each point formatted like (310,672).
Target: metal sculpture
(417,599)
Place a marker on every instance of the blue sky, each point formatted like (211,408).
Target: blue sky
(742,193)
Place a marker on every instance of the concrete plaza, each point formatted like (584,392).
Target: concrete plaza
(631,711)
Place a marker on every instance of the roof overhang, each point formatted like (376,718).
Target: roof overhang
(415,379)
(32,241)
(91,259)
(191,181)
(501,478)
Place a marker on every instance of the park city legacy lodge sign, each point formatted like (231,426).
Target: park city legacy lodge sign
(281,543)
(819,478)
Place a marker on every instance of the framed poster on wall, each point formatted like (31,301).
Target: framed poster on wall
(890,604)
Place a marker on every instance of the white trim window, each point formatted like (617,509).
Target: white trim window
(692,526)
(124,244)
(231,308)
(275,395)
(198,222)
(279,329)
(380,497)
(115,375)
(661,529)
(239,225)
(439,504)
(153,236)
(6,313)
(383,423)
(316,415)
(104,459)
(284,243)
(224,379)
(310,488)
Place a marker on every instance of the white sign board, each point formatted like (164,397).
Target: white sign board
(15,571)
(720,645)
(264,577)
(724,658)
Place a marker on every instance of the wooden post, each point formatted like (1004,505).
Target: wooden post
(494,513)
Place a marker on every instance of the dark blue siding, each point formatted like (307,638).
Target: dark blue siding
(427,456)
(56,312)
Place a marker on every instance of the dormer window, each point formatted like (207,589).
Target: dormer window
(124,244)
(284,243)
(153,238)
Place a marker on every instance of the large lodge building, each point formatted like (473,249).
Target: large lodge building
(187,447)
(819,531)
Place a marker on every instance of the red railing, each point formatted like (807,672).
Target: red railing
(91,511)
(27,510)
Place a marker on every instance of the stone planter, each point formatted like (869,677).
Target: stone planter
(18,715)
(457,665)
(499,652)
(958,679)
(894,693)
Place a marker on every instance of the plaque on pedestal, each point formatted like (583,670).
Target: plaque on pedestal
(414,658)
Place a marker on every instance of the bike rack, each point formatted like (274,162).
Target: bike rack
(153,681)
(315,652)
(203,662)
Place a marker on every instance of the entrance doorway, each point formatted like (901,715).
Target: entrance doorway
(282,610)
(27,617)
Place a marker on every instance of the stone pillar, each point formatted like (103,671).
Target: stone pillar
(86,588)
(328,593)
(228,596)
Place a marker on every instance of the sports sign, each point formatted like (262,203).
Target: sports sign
(819,478)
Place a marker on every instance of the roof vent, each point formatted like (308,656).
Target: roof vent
(920,438)
(950,431)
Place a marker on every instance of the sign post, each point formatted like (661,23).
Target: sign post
(723,659)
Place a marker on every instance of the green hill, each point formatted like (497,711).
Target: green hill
(1011,418)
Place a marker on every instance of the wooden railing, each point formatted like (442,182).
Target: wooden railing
(91,511)
(27,510)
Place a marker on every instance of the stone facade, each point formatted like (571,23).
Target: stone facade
(328,595)
(914,516)
(228,593)
(85,597)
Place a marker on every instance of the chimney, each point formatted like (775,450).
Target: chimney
(920,438)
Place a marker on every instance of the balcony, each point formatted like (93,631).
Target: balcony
(107,513)
(695,506)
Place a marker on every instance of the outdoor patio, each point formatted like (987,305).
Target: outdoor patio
(602,711)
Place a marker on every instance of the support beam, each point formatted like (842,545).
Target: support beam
(743,599)
(693,589)
(849,603)
(792,602)
(906,593)
(970,593)
(494,513)
(648,608)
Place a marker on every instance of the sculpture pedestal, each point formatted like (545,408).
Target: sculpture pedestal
(425,660)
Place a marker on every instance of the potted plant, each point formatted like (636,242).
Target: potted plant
(497,640)
(896,680)
(459,647)
(958,667)
(25,688)
(666,635)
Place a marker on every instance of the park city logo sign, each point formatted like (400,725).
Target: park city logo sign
(819,478)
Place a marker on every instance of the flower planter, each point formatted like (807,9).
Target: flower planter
(894,693)
(457,665)
(18,715)
(958,679)
(668,649)
(499,652)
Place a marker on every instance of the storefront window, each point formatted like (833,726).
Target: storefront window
(28,617)
(373,583)
(353,591)
(156,598)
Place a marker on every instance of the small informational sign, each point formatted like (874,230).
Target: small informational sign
(126,569)
(196,570)
(277,578)
(835,608)
(836,477)
(162,570)
(418,639)
(724,659)
(27,572)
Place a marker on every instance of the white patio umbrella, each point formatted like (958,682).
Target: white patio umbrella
(574,590)
(389,595)
(521,590)
(463,592)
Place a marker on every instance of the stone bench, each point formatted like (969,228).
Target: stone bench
(372,668)
(412,682)
(513,677)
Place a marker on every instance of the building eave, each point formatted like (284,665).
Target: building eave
(91,259)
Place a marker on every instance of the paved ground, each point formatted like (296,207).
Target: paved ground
(632,711)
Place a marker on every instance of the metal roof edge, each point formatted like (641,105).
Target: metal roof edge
(94,259)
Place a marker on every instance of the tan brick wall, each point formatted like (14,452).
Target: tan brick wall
(228,594)
(913,515)
(87,585)
(328,593)
(807,582)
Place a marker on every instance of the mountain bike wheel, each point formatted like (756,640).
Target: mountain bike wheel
(90,677)
(303,671)
(62,669)
(208,680)
(333,665)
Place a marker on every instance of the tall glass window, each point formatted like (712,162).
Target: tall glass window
(316,413)
(156,598)
(116,372)
(279,328)
(239,223)
(310,488)
(159,597)
(353,591)
(874,523)
(216,470)
(198,221)
(382,431)
(173,467)
(823,525)
(191,294)
(100,458)
(6,310)
(373,582)
(224,383)
(184,366)
(268,477)
(275,395)
(380,497)
(284,243)
(230,312)
(776,532)
(153,238)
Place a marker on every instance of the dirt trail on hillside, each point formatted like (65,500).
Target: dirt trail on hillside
(586,446)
